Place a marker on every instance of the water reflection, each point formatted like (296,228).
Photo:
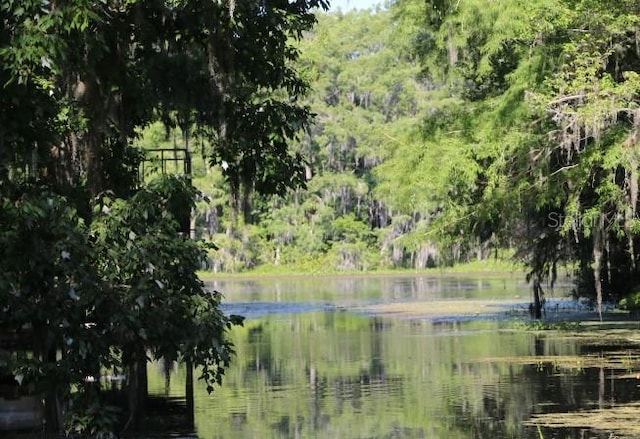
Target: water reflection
(318,372)
(346,289)
(253,298)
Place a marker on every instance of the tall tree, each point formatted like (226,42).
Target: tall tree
(544,127)
(106,261)
(250,56)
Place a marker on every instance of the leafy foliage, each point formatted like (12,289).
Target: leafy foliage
(163,307)
(126,288)
(106,286)
(44,257)
(542,131)
(365,96)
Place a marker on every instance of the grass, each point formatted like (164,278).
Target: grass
(488,267)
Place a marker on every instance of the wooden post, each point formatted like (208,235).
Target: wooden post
(191,415)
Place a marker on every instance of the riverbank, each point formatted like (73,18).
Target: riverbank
(483,268)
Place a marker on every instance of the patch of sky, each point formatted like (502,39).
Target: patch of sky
(349,5)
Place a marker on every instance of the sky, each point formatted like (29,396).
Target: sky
(347,5)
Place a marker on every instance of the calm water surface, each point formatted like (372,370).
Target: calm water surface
(313,362)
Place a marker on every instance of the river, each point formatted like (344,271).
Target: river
(366,357)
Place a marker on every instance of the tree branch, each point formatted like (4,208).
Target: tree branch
(564,168)
(567,98)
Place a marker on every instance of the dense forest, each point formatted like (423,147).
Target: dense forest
(539,130)
(448,131)
(424,133)
(368,99)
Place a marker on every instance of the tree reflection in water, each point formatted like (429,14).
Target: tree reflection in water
(329,374)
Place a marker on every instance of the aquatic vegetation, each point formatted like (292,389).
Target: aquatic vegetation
(618,421)
(545,325)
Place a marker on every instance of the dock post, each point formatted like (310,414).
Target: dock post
(191,416)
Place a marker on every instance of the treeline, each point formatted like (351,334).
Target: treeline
(447,131)
(367,98)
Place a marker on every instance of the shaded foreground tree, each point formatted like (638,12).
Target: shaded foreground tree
(85,299)
(95,272)
(541,125)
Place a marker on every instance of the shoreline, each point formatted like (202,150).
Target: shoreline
(430,272)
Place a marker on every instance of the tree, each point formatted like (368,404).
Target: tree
(157,304)
(375,105)
(549,118)
(95,259)
(364,95)
(250,61)
(105,297)
(48,294)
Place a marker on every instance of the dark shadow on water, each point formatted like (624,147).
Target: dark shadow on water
(166,418)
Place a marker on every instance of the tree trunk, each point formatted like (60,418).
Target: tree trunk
(189,394)
(52,404)
(247,191)
(87,93)
(93,161)
(538,299)
(597,262)
(137,390)
(235,209)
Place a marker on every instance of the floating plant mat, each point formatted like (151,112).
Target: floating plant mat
(615,349)
(441,308)
(514,307)
(623,361)
(621,421)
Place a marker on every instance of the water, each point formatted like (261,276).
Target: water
(314,361)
